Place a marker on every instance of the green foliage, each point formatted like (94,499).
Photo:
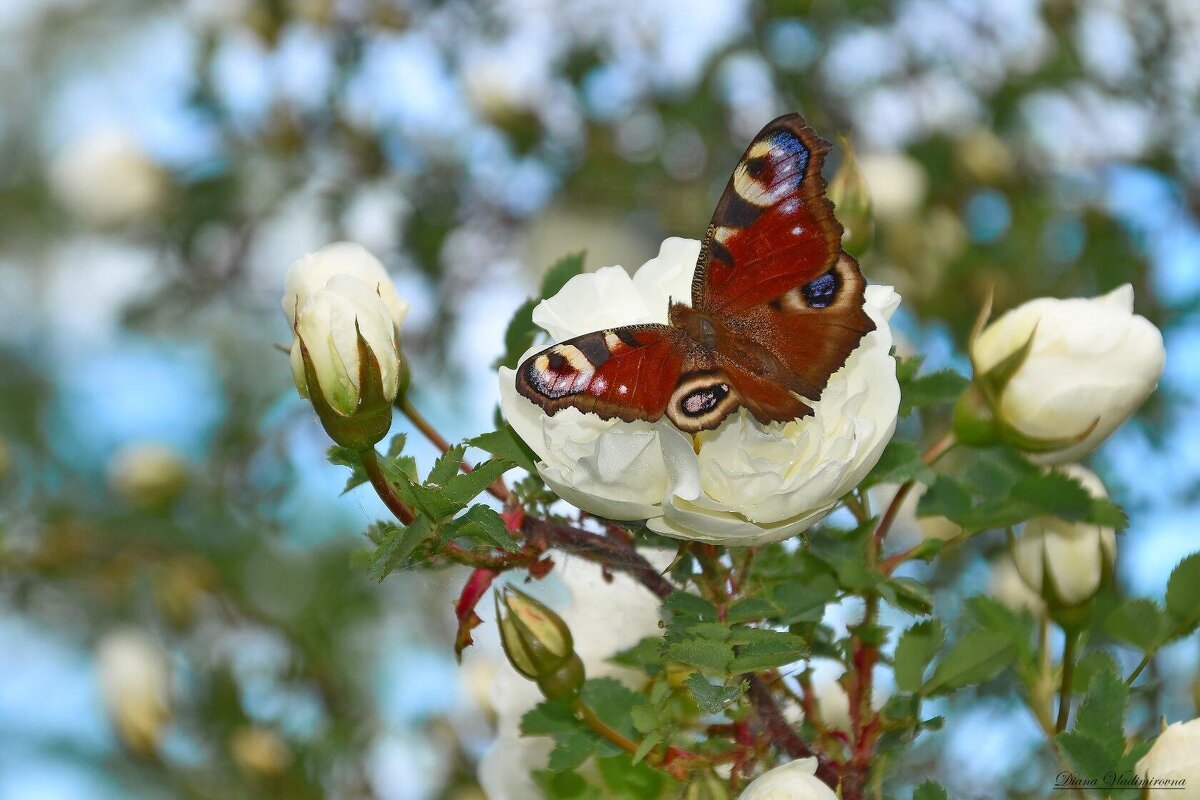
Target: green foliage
(936,388)
(914,652)
(998,488)
(977,657)
(1096,745)
(901,461)
(1138,622)
(574,740)
(1183,595)
(930,790)
(504,443)
(712,699)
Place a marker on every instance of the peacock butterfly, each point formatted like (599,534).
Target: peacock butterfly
(777,308)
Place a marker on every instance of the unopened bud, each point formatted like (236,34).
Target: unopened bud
(538,644)
(706,786)
(851,200)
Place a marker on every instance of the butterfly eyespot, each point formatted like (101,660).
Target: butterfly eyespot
(756,166)
(700,401)
(821,292)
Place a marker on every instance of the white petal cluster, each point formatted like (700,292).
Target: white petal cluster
(744,483)
(1092,361)
(105,178)
(1175,756)
(332,297)
(796,780)
(134,681)
(1066,562)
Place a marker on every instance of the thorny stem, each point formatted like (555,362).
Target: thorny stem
(782,733)
(497,489)
(383,488)
(660,757)
(936,451)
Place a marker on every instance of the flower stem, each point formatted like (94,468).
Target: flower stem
(603,728)
(383,488)
(931,456)
(1068,673)
(497,488)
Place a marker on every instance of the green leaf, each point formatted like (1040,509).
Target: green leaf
(946,497)
(1101,716)
(628,779)
(1183,594)
(712,699)
(560,272)
(977,657)
(565,785)
(691,605)
(341,456)
(1085,754)
(914,652)
(704,653)
(936,388)
(750,609)
(804,602)
(758,648)
(447,465)
(646,746)
(930,790)
(506,444)
(1139,622)
(574,742)
(900,462)
(610,700)
(908,595)
(519,335)
(853,575)
(1054,494)
(396,549)
(465,487)
(646,655)
(482,524)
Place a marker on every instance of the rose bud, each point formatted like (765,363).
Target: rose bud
(1175,756)
(851,200)
(538,644)
(135,682)
(1056,377)
(795,780)
(1066,562)
(346,358)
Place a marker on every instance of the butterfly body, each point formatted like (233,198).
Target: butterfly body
(776,309)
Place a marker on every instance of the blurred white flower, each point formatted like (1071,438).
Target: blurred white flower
(134,681)
(504,771)
(796,780)
(147,474)
(744,483)
(1007,586)
(897,183)
(1066,562)
(1174,756)
(332,297)
(1092,361)
(908,528)
(106,179)
(259,750)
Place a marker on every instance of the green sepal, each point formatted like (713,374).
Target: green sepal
(371,420)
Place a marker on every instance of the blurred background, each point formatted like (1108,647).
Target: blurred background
(180,616)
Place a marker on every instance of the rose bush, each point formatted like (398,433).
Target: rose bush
(744,483)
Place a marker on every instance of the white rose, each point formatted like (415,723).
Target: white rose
(331,297)
(134,679)
(504,771)
(1092,361)
(1007,586)
(1066,562)
(796,780)
(744,483)
(1174,756)
(106,179)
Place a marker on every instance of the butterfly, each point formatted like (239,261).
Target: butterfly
(777,308)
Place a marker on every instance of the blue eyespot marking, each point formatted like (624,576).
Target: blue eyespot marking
(821,292)
(791,147)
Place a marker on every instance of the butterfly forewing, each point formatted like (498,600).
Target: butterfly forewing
(773,229)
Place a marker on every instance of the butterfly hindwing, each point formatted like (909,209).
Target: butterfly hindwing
(773,228)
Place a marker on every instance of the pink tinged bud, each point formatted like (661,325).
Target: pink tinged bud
(539,644)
